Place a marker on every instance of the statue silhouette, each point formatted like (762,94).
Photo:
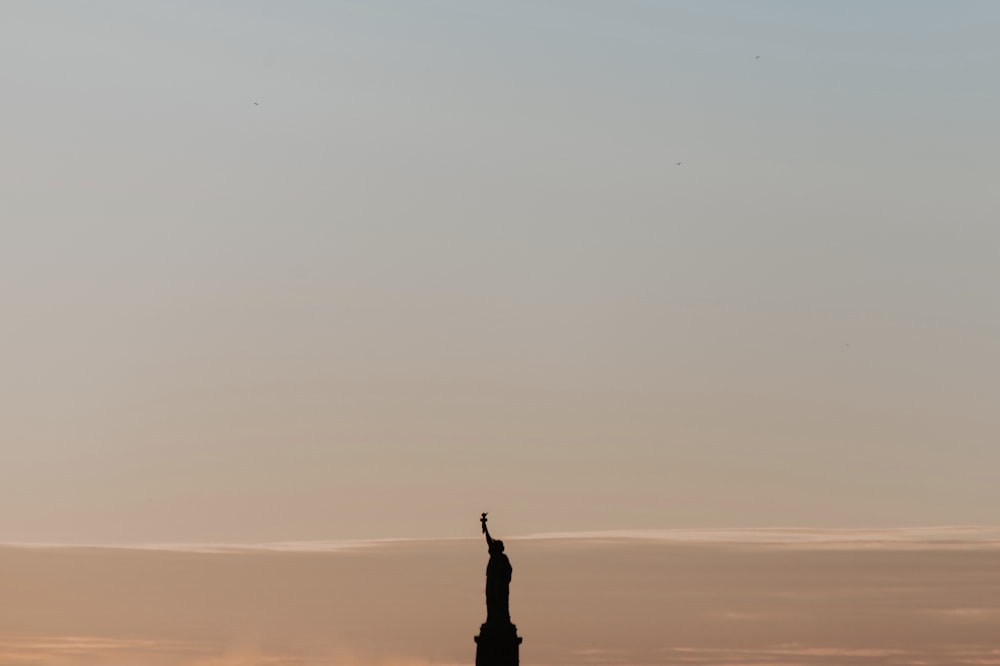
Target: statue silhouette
(497,643)
(498,574)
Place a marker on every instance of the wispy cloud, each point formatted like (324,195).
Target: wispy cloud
(938,537)
(793,654)
(959,536)
(976,614)
(34,650)
(108,651)
(318,546)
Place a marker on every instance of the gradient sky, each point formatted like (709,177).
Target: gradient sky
(450,264)
(698,598)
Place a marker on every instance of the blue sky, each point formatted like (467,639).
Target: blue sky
(449,259)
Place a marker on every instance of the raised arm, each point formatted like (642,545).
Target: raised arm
(489,539)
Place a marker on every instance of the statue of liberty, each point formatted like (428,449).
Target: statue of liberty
(497,643)
(498,574)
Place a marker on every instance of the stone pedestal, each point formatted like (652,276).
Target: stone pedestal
(497,645)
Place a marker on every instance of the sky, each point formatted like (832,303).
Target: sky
(335,270)
(900,597)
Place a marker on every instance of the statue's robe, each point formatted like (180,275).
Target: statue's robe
(498,573)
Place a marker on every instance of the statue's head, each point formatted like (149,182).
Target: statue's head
(496,546)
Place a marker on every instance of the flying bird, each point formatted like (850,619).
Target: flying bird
(256,103)
(756,57)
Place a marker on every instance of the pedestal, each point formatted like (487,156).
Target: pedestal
(497,645)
